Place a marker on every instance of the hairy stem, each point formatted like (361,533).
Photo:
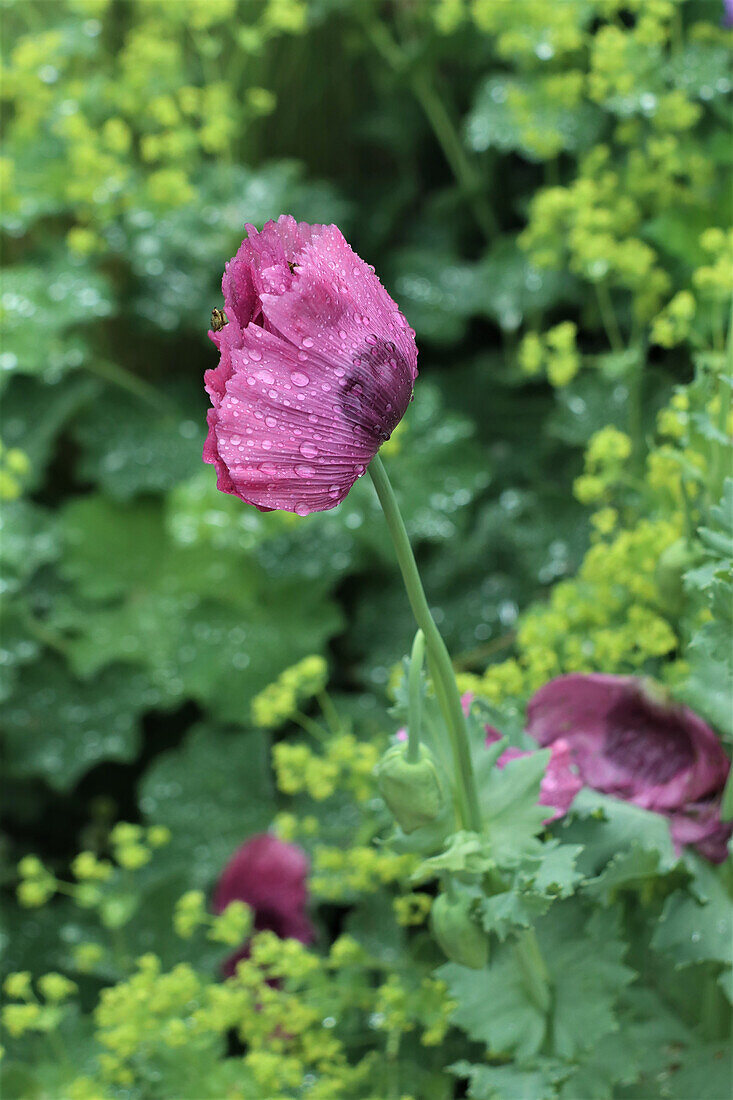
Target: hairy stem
(414,699)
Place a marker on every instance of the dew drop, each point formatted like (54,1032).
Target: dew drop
(301,508)
(255,356)
(265,376)
(271,421)
(308,450)
(304,471)
(299,379)
(307,342)
(303,357)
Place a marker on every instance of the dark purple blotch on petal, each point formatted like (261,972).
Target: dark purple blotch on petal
(628,740)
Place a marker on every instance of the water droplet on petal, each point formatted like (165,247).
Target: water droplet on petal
(271,421)
(308,450)
(304,471)
(265,376)
(299,379)
(307,342)
(301,508)
(255,356)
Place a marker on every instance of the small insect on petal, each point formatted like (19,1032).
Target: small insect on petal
(218,319)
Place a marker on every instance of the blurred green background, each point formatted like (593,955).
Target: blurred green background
(533,182)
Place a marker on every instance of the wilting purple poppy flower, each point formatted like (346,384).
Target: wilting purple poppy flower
(561,781)
(270,876)
(317,367)
(628,743)
(727,13)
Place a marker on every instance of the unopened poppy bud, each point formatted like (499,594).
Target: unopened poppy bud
(412,791)
(459,935)
(673,563)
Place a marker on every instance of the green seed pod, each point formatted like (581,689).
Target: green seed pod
(458,934)
(672,565)
(412,791)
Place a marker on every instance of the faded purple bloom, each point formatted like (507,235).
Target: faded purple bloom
(629,743)
(270,876)
(317,367)
(561,781)
(728,13)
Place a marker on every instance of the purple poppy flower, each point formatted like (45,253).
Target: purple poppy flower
(317,367)
(727,13)
(270,876)
(629,743)
(561,781)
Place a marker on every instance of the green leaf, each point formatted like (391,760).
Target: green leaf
(29,540)
(210,627)
(35,413)
(42,304)
(627,870)
(606,827)
(536,883)
(213,792)
(511,1082)
(58,728)
(509,803)
(583,958)
(703,1070)
(697,929)
(718,539)
(130,446)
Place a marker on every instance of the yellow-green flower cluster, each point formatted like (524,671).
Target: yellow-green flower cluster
(27,1013)
(608,451)
(533,29)
(131,847)
(555,352)
(340,873)
(594,225)
(344,764)
(140,138)
(609,618)
(37,885)
(591,226)
(280,701)
(673,324)
(232,926)
(412,909)
(401,1008)
(715,279)
(14,468)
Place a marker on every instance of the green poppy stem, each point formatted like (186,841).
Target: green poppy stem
(441,668)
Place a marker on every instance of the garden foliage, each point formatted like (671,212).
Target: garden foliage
(544,189)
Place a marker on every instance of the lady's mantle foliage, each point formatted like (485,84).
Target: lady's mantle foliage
(629,743)
(317,367)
